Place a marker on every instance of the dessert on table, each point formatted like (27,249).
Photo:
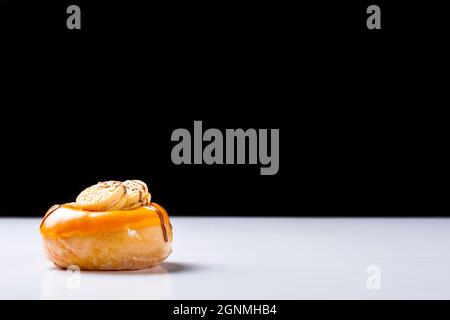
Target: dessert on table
(112,225)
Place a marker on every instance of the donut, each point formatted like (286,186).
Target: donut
(124,239)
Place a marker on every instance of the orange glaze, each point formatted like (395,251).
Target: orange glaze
(67,220)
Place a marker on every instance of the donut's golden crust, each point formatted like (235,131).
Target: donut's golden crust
(120,250)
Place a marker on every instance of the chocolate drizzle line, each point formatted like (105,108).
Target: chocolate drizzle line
(163,224)
(166,218)
(49,212)
(142,185)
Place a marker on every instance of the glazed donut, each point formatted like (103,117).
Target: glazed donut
(126,239)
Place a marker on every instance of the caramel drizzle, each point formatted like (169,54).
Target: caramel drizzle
(162,218)
(49,212)
(163,225)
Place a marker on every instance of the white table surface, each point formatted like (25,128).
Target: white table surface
(250,258)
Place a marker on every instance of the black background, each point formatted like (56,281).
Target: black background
(286,309)
(361,133)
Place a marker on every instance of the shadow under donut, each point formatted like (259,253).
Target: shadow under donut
(163,268)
